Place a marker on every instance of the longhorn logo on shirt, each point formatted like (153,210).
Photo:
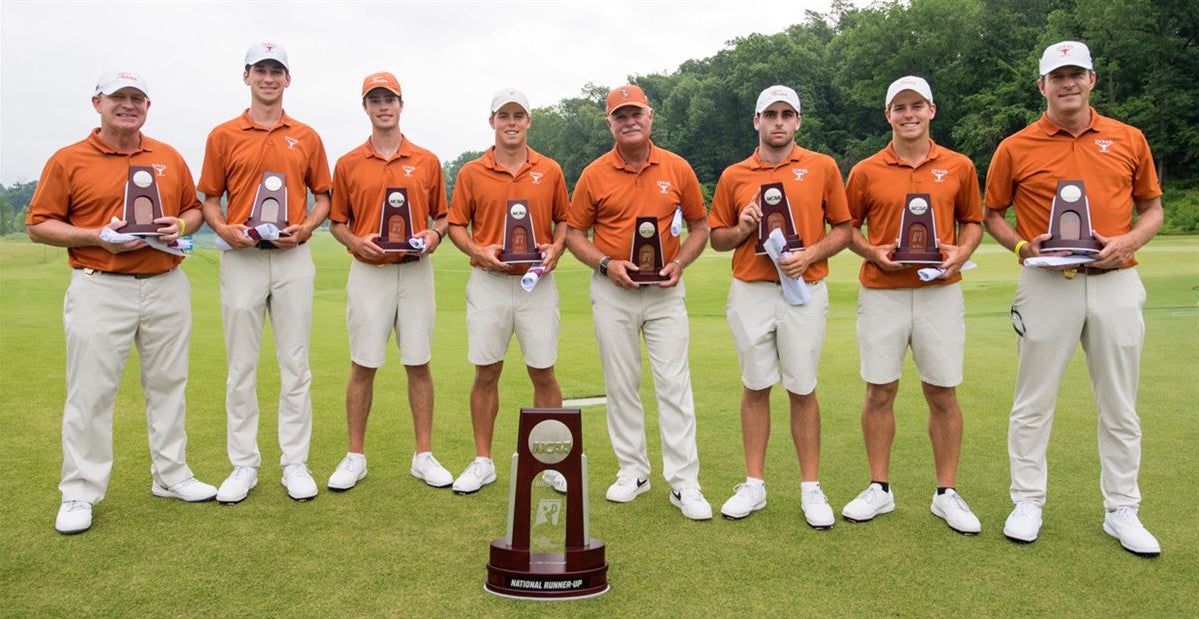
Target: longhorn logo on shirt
(1104,145)
(940,174)
(291,142)
(159,168)
(799,173)
(408,170)
(536,176)
(663,185)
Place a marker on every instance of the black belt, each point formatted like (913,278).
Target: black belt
(91,271)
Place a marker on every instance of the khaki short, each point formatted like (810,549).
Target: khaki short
(388,297)
(497,307)
(776,341)
(931,320)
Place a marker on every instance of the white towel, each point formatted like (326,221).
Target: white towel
(795,290)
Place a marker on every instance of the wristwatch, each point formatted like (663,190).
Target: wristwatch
(603,265)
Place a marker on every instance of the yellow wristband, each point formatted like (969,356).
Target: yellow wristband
(182,226)
(1020,245)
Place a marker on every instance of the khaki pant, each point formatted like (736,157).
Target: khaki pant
(659,315)
(103,316)
(255,282)
(1053,314)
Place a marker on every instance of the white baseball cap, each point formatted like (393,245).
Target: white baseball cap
(504,96)
(266,51)
(913,83)
(112,81)
(1066,54)
(774,94)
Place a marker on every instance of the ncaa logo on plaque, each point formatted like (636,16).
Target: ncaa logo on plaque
(918,206)
(395,199)
(773,196)
(519,211)
(646,230)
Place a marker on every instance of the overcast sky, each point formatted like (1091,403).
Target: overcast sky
(449,57)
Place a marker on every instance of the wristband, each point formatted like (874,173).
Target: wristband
(1019,245)
(603,265)
(440,236)
(678,262)
(182,226)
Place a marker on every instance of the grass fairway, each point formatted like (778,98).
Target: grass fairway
(393,546)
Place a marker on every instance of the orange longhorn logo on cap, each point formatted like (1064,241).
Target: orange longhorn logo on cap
(624,92)
(1065,49)
(270,47)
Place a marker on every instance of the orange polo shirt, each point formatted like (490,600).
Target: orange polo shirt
(876,192)
(1111,158)
(610,195)
(483,189)
(239,151)
(361,179)
(84,185)
(815,194)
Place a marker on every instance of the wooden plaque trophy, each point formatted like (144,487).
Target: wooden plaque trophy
(917,242)
(270,203)
(395,222)
(143,204)
(776,213)
(1070,221)
(520,244)
(548,438)
(647,252)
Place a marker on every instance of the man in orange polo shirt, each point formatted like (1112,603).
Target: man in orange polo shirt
(898,310)
(777,341)
(509,180)
(1098,304)
(637,179)
(259,159)
(121,293)
(388,290)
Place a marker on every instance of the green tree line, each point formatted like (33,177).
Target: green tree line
(980,56)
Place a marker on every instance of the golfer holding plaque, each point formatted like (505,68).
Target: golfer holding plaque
(920,204)
(1098,304)
(514,201)
(786,187)
(266,162)
(630,193)
(385,193)
(122,293)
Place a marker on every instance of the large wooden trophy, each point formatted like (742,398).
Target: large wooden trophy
(1070,221)
(520,244)
(270,203)
(647,252)
(549,438)
(143,204)
(395,222)
(776,213)
(918,242)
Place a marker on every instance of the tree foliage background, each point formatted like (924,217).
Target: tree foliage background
(979,55)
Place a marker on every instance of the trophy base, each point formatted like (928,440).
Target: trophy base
(1074,246)
(794,243)
(644,279)
(522,258)
(396,246)
(520,574)
(142,230)
(254,223)
(917,257)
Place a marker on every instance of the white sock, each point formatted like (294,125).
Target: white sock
(755,482)
(807,486)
